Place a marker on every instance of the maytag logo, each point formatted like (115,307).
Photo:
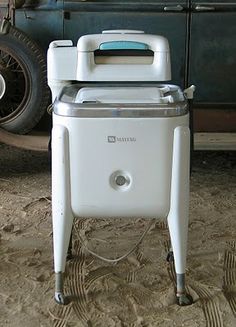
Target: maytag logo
(111,139)
(114,139)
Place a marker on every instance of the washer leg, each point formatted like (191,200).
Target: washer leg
(62,216)
(179,202)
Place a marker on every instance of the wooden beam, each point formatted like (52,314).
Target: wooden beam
(215,141)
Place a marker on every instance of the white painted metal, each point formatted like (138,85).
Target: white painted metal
(61,196)
(88,70)
(69,63)
(142,150)
(117,166)
(179,201)
(124,95)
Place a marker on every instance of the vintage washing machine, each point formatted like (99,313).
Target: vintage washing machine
(120,140)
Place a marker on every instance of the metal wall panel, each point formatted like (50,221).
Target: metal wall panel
(43,26)
(212,57)
(214,2)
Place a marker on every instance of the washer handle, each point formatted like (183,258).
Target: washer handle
(204,8)
(174,8)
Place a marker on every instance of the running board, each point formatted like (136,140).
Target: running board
(27,142)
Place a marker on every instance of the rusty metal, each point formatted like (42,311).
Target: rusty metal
(10,14)
(214,120)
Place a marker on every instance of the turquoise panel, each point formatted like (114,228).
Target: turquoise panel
(123,45)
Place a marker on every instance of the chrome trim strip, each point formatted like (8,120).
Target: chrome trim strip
(119,110)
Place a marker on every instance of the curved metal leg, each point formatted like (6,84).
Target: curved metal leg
(178,215)
(61,206)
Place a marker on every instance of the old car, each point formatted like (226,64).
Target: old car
(201,36)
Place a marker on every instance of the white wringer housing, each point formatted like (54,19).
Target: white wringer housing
(120,140)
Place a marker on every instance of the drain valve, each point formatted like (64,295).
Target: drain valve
(121,180)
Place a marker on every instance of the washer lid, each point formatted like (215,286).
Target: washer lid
(124,95)
(121,101)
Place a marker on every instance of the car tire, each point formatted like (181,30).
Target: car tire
(25,94)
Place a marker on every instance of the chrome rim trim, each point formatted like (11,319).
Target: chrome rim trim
(119,110)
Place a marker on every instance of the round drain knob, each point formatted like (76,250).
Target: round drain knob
(121,180)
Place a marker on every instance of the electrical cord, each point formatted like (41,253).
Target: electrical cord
(123,256)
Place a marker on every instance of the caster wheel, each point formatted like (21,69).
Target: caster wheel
(170,256)
(184,299)
(61,299)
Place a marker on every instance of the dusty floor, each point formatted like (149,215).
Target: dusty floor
(136,292)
